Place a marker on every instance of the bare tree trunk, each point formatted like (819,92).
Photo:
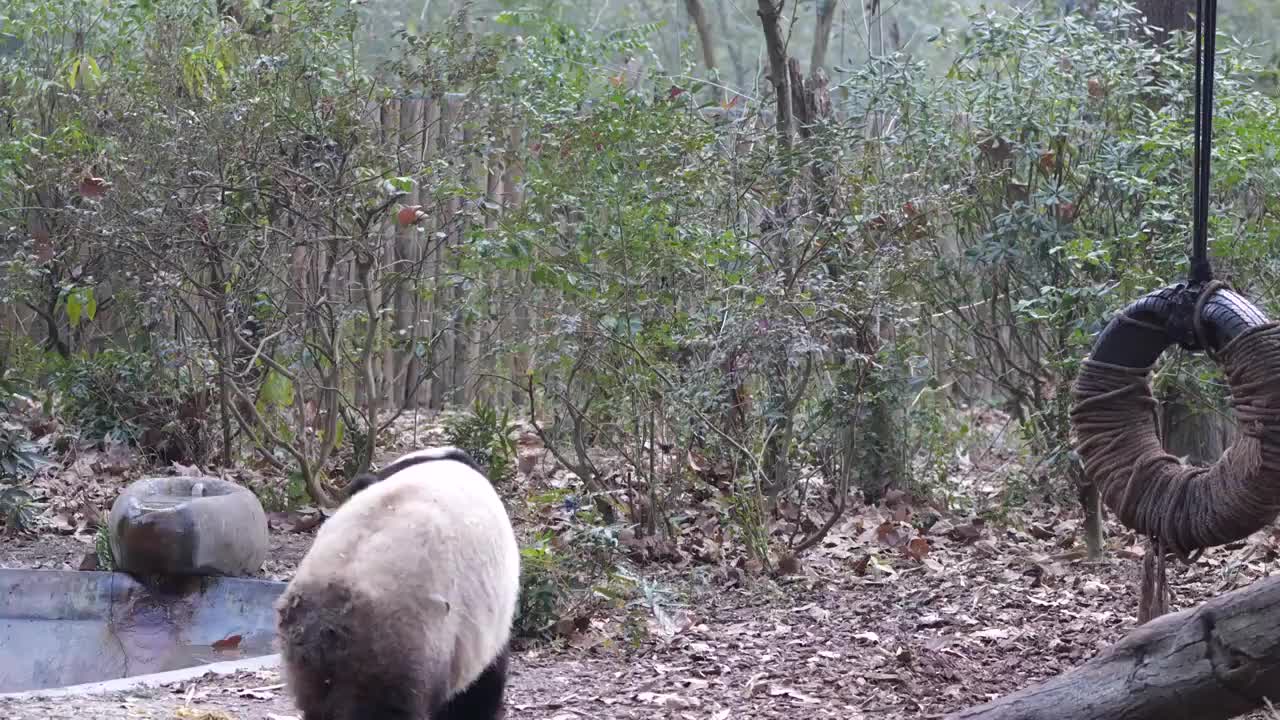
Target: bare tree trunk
(734,49)
(1216,661)
(779,428)
(705,35)
(409,251)
(1168,15)
(875,28)
(770,13)
(465,352)
(491,336)
(822,33)
(521,288)
(1091,503)
(443,317)
(426,256)
(384,375)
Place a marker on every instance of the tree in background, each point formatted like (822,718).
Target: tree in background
(1168,16)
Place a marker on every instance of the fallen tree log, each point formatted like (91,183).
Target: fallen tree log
(1216,661)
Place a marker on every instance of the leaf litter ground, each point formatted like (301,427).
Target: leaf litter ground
(871,626)
(881,620)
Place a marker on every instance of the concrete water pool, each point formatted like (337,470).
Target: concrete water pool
(62,628)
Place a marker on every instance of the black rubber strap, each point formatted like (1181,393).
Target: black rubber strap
(1206,36)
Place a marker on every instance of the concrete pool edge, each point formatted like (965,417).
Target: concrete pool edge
(160,679)
(67,632)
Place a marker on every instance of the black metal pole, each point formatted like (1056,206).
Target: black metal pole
(1206,37)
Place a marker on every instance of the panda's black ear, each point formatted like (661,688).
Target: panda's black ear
(360,482)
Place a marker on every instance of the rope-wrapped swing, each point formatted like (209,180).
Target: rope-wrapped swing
(1153,492)
(1184,509)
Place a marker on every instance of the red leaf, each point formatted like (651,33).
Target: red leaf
(918,548)
(891,534)
(410,215)
(93,187)
(227,643)
(860,565)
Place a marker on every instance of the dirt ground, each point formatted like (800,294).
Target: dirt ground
(853,635)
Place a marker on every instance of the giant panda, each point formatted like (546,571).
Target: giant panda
(403,606)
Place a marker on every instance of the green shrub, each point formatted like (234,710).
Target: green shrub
(19,457)
(102,548)
(565,581)
(487,437)
(127,397)
(16,510)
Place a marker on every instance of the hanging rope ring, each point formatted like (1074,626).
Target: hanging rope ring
(1114,419)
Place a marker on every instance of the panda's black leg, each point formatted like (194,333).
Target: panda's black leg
(483,700)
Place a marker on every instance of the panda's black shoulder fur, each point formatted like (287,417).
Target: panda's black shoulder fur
(366,479)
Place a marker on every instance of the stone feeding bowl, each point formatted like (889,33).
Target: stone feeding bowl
(179,608)
(187,526)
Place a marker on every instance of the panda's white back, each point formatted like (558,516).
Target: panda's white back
(436,530)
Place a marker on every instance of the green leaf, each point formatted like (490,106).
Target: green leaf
(92,77)
(403,184)
(74,308)
(277,390)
